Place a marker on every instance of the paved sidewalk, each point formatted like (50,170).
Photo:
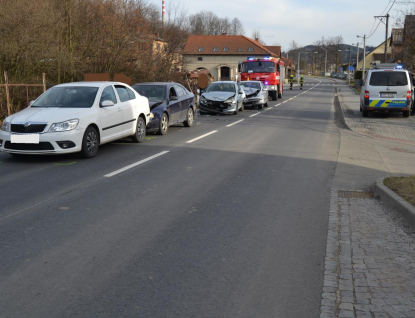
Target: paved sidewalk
(370,253)
(370,260)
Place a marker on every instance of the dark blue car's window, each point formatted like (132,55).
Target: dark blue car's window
(154,93)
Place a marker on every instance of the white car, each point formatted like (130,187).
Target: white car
(256,94)
(76,117)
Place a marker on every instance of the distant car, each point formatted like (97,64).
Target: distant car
(224,97)
(76,117)
(256,94)
(388,88)
(170,104)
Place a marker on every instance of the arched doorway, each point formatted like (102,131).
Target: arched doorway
(225,73)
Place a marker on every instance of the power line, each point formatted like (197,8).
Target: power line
(391,6)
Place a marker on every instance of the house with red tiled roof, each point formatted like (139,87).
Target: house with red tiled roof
(220,54)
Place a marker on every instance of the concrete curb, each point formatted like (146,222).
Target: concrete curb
(394,201)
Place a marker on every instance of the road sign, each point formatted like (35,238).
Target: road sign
(351,68)
(341,68)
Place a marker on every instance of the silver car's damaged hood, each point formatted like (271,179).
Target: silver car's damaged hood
(251,91)
(218,96)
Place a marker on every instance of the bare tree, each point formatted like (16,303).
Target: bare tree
(256,35)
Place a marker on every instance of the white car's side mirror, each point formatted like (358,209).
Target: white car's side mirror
(107,103)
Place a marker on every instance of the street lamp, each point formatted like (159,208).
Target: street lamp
(325,61)
(364,55)
(299,53)
(348,69)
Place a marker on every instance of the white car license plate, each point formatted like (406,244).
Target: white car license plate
(387,95)
(25,139)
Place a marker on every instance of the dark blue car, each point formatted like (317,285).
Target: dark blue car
(170,104)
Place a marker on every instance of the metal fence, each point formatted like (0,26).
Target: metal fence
(7,85)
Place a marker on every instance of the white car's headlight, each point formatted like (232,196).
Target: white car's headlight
(230,100)
(64,126)
(5,126)
(203,100)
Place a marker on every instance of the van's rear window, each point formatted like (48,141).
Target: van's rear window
(388,79)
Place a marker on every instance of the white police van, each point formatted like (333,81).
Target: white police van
(388,88)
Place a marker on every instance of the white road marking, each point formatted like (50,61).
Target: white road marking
(135,164)
(203,136)
(235,123)
(254,114)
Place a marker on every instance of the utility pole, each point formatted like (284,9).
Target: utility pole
(325,61)
(357,58)
(386,37)
(364,55)
(348,69)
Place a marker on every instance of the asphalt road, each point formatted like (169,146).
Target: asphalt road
(233,224)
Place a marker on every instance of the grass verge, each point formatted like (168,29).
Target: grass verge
(403,186)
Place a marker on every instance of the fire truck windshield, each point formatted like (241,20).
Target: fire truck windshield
(258,67)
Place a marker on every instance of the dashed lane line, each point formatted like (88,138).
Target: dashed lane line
(135,164)
(237,122)
(200,137)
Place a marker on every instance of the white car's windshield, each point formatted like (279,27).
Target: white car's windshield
(67,97)
(154,93)
(221,87)
(251,85)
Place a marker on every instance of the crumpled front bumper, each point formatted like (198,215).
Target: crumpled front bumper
(253,101)
(218,107)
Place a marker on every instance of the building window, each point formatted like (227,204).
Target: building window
(201,49)
(240,50)
(251,49)
(199,58)
(215,49)
(225,49)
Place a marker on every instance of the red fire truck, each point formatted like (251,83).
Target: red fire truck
(270,71)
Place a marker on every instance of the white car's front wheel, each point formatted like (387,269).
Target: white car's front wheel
(90,143)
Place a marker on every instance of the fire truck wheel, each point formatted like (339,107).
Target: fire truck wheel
(279,94)
(274,96)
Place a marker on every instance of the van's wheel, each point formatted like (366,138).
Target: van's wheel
(140,131)
(90,143)
(189,118)
(405,113)
(164,124)
(365,113)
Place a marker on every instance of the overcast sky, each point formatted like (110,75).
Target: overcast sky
(304,21)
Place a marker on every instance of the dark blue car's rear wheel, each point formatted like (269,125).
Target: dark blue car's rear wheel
(189,119)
